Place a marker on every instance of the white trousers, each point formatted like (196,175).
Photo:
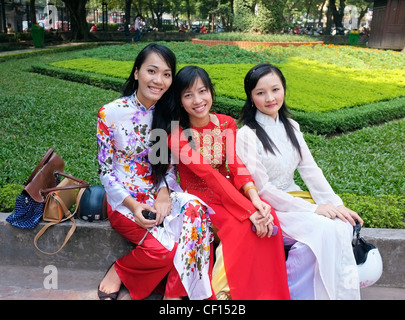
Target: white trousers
(301,264)
(320,263)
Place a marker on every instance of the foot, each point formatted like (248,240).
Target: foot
(168,298)
(110,285)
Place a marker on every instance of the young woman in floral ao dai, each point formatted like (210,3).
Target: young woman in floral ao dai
(179,247)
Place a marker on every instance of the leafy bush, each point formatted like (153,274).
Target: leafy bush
(309,83)
(8,195)
(383,211)
(369,161)
(350,119)
(94,79)
(243,36)
(343,56)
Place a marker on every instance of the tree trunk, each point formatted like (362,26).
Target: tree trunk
(337,14)
(33,16)
(127,19)
(77,10)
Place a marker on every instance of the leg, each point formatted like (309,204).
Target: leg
(143,268)
(301,264)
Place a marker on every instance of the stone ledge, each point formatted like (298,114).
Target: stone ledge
(95,245)
(391,244)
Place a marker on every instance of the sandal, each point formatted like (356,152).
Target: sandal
(103,295)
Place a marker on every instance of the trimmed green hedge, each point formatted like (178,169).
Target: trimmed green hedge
(383,211)
(337,121)
(94,79)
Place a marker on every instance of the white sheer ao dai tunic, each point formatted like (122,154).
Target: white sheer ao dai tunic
(332,274)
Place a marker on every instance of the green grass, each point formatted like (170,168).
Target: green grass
(366,162)
(365,167)
(312,86)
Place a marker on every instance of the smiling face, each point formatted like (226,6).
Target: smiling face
(268,95)
(197,101)
(154,79)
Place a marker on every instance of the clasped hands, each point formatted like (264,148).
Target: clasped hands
(262,219)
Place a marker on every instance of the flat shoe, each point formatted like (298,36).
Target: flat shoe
(104,296)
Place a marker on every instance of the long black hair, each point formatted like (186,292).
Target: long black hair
(164,111)
(248,113)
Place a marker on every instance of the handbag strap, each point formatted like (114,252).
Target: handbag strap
(82,184)
(68,216)
(43,161)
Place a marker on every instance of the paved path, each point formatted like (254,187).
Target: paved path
(32,48)
(30,283)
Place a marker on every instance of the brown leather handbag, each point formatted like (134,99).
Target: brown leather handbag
(59,201)
(43,177)
(29,205)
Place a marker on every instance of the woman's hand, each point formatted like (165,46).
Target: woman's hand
(258,221)
(137,208)
(162,205)
(350,215)
(345,214)
(263,207)
(263,225)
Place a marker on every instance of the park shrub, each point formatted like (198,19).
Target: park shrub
(243,36)
(384,211)
(349,119)
(8,195)
(27,54)
(94,79)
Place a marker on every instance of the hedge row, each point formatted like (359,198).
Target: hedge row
(384,211)
(338,121)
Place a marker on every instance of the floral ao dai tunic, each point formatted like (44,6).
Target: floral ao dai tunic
(123,131)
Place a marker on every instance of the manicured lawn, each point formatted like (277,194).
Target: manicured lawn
(365,166)
(309,82)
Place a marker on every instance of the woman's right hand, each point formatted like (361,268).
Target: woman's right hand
(139,218)
(137,208)
(262,224)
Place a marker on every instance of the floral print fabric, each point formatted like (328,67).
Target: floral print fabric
(123,130)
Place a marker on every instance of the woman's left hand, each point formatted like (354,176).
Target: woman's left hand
(349,215)
(264,208)
(163,205)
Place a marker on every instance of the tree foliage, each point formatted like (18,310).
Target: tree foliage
(261,16)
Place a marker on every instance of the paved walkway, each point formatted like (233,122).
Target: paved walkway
(32,48)
(32,283)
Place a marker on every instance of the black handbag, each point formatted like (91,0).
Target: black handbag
(29,205)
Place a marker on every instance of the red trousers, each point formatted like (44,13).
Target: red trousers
(144,268)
